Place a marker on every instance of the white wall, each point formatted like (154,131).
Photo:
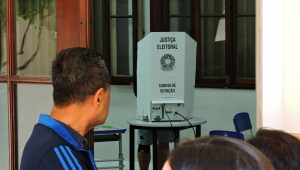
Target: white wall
(218,106)
(278,91)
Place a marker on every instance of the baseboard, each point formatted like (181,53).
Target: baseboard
(126,163)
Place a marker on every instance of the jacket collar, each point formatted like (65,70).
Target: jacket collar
(53,124)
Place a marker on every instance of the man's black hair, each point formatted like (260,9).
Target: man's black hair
(77,73)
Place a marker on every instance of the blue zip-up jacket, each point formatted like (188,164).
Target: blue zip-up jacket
(51,146)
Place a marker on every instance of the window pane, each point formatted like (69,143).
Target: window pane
(32,100)
(179,7)
(212,7)
(120,7)
(140,21)
(2,38)
(246,47)
(121,53)
(4,159)
(180,24)
(35,36)
(212,47)
(98,25)
(246,6)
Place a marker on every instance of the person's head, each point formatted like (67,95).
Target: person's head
(216,152)
(77,75)
(281,148)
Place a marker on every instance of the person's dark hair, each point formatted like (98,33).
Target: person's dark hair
(77,73)
(216,152)
(281,148)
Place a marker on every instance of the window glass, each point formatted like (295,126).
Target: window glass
(4,158)
(98,25)
(121,44)
(3,57)
(32,100)
(212,7)
(246,6)
(35,36)
(119,34)
(212,47)
(179,7)
(120,7)
(140,20)
(246,47)
(180,24)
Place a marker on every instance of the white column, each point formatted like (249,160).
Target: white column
(277,65)
(272,64)
(291,65)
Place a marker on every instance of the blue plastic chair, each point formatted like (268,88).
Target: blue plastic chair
(232,134)
(242,122)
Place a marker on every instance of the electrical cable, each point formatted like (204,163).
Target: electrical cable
(170,122)
(189,123)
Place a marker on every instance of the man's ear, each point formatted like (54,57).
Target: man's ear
(98,97)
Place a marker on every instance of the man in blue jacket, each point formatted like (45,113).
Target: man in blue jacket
(81,96)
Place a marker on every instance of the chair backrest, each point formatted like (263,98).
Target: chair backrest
(232,134)
(242,122)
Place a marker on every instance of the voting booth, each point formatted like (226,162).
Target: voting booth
(166,68)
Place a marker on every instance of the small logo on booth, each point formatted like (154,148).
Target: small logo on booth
(167,62)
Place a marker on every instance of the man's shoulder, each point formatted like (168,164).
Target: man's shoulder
(42,140)
(62,157)
(45,137)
